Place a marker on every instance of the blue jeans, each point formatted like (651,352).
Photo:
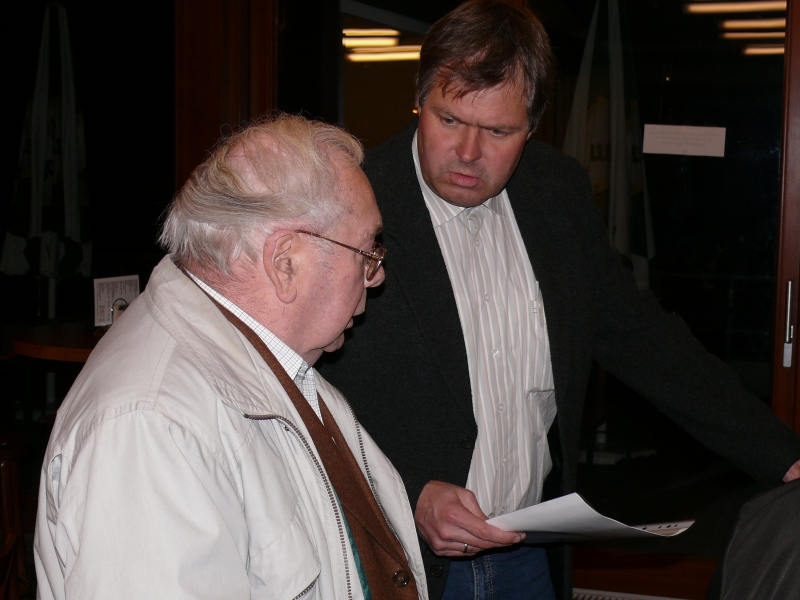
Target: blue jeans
(518,573)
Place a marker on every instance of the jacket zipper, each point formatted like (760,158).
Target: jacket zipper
(366,464)
(307,590)
(328,487)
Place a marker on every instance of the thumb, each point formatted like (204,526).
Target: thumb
(470,502)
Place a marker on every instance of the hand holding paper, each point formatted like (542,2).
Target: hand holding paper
(448,517)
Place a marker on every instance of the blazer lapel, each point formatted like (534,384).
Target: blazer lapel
(416,265)
(547,245)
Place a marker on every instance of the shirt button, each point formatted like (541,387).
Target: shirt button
(477,243)
(437,571)
(400,578)
(505,460)
(486,297)
(501,407)
(467,443)
(495,352)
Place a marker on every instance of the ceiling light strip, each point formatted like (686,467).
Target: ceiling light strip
(754,24)
(762,50)
(753,35)
(706,8)
(352,32)
(382,57)
(393,49)
(374,42)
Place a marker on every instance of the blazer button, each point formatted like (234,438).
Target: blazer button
(437,571)
(467,443)
(400,578)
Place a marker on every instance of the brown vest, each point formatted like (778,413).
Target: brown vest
(382,557)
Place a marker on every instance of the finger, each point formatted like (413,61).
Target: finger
(454,546)
(479,533)
(461,526)
(793,473)
(470,502)
(458,550)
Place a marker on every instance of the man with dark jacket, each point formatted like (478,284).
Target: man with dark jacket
(500,291)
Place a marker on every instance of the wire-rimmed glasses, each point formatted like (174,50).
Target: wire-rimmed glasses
(373,260)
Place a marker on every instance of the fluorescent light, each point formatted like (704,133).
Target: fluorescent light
(392,50)
(374,42)
(754,24)
(753,35)
(734,7)
(383,54)
(761,50)
(383,57)
(370,32)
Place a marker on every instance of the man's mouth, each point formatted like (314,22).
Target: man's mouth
(464,180)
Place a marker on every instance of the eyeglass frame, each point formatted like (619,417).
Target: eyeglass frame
(377,255)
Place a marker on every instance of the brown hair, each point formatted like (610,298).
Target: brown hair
(483,44)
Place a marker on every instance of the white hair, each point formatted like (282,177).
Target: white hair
(275,173)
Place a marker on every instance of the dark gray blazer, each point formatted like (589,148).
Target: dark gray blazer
(404,368)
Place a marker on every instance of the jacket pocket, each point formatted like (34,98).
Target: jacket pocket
(287,568)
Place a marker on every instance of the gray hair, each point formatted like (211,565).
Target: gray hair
(275,173)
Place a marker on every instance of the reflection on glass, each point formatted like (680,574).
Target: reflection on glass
(378,78)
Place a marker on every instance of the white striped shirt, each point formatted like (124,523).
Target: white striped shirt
(508,350)
(291,361)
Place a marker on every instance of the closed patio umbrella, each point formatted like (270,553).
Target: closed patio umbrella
(48,232)
(604,133)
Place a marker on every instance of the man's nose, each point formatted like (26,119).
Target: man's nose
(469,145)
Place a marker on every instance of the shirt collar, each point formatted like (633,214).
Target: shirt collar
(442,211)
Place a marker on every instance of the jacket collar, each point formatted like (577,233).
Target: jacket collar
(229,363)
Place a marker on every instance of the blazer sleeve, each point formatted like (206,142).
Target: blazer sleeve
(656,354)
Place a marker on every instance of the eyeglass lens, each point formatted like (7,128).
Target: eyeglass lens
(373,264)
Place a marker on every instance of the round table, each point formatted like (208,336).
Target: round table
(68,342)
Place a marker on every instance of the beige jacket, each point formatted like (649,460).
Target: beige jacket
(157,484)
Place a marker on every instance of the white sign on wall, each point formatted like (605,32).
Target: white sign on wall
(109,290)
(684,140)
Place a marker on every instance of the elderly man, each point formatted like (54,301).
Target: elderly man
(199,455)
(501,290)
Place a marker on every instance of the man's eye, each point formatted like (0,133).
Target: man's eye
(448,120)
(498,133)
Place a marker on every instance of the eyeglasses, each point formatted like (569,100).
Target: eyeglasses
(373,260)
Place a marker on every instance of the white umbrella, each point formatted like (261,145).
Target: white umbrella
(50,190)
(604,133)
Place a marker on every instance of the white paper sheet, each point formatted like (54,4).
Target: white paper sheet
(684,140)
(571,519)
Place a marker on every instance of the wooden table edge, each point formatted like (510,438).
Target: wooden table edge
(33,350)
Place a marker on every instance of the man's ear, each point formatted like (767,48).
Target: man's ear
(280,258)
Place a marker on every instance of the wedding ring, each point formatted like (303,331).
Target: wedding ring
(465,548)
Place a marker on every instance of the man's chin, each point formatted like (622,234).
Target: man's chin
(464,197)
(335,344)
